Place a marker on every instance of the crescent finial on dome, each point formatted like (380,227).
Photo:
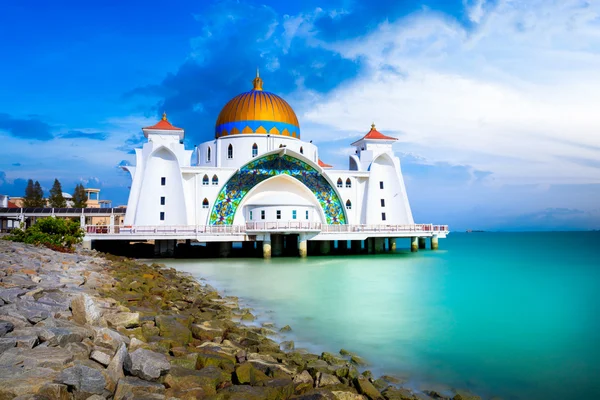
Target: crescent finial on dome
(258,82)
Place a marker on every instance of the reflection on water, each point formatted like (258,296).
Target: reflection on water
(514,315)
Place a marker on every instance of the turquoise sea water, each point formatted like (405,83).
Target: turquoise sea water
(515,315)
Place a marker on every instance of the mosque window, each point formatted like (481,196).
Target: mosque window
(348,205)
(383,216)
(230,151)
(348,183)
(278,214)
(205,203)
(162,201)
(205,180)
(293,214)
(381,185)
(262,214)
(306,214)
(340,183)
(301,150)
(162,215)
(382,202)
(254,150)
(250,215)
(163,181)
(215,180)
(208,155)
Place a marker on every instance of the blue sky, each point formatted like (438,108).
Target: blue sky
(495,103)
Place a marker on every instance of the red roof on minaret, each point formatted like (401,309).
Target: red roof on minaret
(164,125)
(323,165)
(375,134)
(12,205)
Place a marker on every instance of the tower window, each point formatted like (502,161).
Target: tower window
(301,150)
(348,205)
(205,203)
(262,214)
(215,180)
(205,180)
(306,214)
(381,185)
(340,183)
(278,214)
(162,201)
(383,216)
(254,150)
(382,203)
(163,181)
(348,183)
(208,155)
(250,215)
(162,215)
(230,151)
(293,214)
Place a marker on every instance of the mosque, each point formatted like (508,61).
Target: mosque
(259,175)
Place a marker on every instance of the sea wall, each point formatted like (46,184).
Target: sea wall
(93,326)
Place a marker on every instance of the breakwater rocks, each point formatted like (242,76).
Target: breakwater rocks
(93,326)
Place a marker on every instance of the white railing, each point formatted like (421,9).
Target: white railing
(253,227)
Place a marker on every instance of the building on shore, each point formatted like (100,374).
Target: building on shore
(258,178)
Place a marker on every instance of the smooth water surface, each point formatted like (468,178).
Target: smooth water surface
(514,315)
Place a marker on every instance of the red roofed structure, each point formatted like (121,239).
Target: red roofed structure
(163,125)
(323,165)
(374,134)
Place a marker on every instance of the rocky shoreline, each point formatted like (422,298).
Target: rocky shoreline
(93,326)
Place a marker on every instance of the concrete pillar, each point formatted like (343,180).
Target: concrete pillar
(111,225)
(302,246)
(87,243)
(414,244)
(356,246)
(325,247)
(164,248)
(82,221)
(267,246)
(392,244)
(225,249)
(422,243)
(379,245)
(370,245)
(434,242)
(277,245)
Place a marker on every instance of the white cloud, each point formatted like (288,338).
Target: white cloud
(518,96)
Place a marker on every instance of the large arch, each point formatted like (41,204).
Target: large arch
(258,170)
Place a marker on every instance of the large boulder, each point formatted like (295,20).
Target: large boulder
(7,343)
(174,328)
(38,357)
(114,370)
(246,374)
(6,327)
(130,388)
(147,364)
(18,381)
(85,310)
(365,387)
(325,379)
(83,380)
(108,338)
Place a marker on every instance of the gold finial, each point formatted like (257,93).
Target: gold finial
(164,118)
(373,126)
(257,81)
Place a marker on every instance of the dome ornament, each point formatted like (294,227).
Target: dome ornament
(164,117)
(373,126)
(258,82)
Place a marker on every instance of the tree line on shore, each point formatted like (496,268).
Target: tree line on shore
(34,196)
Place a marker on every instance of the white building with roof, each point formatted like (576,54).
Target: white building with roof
(258,174)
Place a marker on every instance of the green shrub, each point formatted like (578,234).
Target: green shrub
(55,233)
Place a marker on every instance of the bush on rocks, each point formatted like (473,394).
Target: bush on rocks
(55,233)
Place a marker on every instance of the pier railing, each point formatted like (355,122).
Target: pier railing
(256,227)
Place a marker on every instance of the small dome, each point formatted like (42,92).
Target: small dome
(257,111)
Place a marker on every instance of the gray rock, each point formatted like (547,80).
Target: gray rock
(100,357)
(287,345)
(7,343)
(83,379)
(123,319)
(114,369)
(147,364)
(62,336)
(133,388)
(38,357)
(324,379)
(303,377)
(5,327)
(108,338)
(28,342)
(85,310)
(12,294)
(11,315)
(18,381)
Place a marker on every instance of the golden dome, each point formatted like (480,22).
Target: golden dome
(257,111)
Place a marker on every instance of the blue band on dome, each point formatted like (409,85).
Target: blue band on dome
(226,128)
